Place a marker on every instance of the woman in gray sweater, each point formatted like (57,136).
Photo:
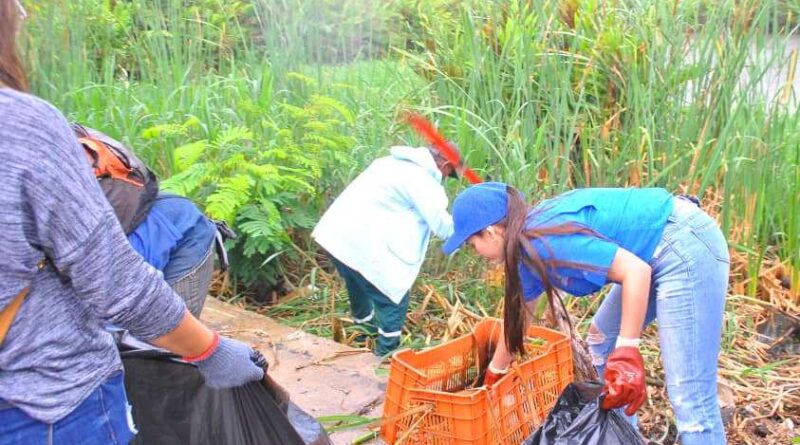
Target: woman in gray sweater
(60,373)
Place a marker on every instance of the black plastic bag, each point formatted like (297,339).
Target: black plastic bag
(172,405)
(578,419)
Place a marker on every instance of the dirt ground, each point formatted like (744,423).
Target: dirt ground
(323,377)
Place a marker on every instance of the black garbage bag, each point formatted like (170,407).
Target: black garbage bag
(172,405)
(578,419)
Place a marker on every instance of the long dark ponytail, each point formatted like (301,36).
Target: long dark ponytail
(518,239)
(514,304)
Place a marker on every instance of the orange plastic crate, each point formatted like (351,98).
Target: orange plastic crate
(427,403)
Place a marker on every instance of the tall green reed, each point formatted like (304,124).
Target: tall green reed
(546,95)
(557,94)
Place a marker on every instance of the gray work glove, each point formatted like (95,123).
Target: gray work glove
(232,364)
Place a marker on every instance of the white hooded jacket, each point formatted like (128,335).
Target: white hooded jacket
(381,223)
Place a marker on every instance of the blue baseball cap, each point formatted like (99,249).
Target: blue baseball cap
(475,209)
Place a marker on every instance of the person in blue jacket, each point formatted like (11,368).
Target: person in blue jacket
(178,239)
(667,261)
(377,231)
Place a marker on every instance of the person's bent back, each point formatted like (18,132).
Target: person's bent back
(377,232)
(177,239)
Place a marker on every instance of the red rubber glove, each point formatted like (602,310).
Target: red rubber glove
(493,375)
(624,378)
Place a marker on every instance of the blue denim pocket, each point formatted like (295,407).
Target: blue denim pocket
(711,237)
(688,223)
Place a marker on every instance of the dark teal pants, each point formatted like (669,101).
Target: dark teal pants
(374,310)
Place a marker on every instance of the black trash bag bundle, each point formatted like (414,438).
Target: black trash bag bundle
(578,419)
(172,405)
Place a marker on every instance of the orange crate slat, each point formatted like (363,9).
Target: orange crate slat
(430,385)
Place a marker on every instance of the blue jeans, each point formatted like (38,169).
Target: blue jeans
(374,310)
(687,297)
(101,419)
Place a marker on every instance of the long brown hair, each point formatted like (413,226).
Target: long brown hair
(11,73)
(517,239)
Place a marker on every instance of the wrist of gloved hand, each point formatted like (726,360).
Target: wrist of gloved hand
(229,363)
(493,375)
(624,341)
(624,380)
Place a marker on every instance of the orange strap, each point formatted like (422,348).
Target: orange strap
(107,163)
(9,312)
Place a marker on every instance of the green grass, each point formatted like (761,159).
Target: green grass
(653,97)
(629,93)
(206,78)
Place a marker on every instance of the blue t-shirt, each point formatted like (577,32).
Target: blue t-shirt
(631,218)
(175,236)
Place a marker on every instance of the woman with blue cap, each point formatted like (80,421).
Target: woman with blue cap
(666,259)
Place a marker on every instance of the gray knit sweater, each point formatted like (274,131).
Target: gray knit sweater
(57,352)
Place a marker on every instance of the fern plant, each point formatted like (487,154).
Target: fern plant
(266,188)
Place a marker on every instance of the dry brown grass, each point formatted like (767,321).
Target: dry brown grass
(761,386)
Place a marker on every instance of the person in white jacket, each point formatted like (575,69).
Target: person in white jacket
(377,231)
